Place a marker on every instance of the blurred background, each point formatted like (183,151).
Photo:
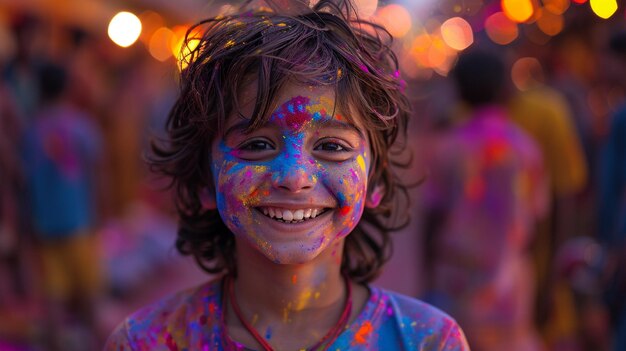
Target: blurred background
(519,134)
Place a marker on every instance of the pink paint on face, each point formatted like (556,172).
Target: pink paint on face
(296,185)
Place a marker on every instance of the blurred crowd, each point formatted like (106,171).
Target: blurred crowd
(523,203)
(84,230)
(521,209)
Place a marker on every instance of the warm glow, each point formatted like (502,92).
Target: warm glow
(178,37)
(603,8)
(124,29)
(395,18)
(557,7)
(517,10)
(500,29)
(460,7)
(457,33)
(580,1)
(550,23)
(150,22)
(159,45)
(178,40)
(440,57)
(526,73)
(364,8)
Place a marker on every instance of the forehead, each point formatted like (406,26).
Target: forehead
(295,105)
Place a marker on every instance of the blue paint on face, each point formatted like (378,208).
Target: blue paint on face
(290,153)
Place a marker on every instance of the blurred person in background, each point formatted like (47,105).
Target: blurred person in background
(486,190)
(62,150)
(545,114)
(20,74)
(612,200)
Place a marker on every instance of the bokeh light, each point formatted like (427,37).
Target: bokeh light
(396,18)
(150,22)
(124,29)
(460,7)
(518,10)
(558,7)
(159,45)
(364,8)
(526,72)
(550,23)
(603,8)
(500,29)
(457,33)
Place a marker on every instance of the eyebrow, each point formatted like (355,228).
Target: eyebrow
(237,127)
(332,124)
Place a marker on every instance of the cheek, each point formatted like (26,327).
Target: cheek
(239,186)
(348,182)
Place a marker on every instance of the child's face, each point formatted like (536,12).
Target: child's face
(297,185)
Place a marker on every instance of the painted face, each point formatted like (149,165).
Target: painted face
(298,184)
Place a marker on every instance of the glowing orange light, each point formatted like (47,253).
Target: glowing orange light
(159,45)
(603,8)
(500,29)
(395,18)
(517,10)
(557,7)
(457,33)
(550,23)
(580,1)
(151,21)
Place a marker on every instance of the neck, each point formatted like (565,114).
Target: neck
(285,292)
(292,306)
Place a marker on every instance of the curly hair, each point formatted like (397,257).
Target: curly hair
(326,46)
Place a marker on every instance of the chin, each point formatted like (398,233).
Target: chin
(291,256)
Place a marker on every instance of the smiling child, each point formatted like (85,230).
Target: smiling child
(280,156)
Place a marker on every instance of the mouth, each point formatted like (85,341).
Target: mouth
(291,216)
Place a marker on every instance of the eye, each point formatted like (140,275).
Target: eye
(257,145)
(331,146)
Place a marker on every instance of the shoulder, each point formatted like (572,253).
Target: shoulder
(181,319)
(421,325)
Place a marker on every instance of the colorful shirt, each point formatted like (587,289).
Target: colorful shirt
(61,152)
(191,320)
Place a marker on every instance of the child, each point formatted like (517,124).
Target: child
(279,152)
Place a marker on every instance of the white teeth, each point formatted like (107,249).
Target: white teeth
(298,215)
(289,215)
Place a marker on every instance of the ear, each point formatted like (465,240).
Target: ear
(207,199)
(374,196)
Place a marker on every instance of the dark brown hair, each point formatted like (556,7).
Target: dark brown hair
(327,45)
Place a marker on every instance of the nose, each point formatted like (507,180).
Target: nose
(293,179)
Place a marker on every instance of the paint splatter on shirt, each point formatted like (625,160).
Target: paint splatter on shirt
(191,320)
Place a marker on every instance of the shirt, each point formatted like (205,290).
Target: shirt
(191,320)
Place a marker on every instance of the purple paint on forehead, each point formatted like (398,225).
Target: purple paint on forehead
(297,112)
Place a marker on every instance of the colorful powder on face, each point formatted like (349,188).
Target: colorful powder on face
(344,210)
(361,161)
(294,279)
(268,333)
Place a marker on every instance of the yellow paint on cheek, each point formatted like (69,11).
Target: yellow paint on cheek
(361,161)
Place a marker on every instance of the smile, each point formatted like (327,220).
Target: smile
(291,216)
